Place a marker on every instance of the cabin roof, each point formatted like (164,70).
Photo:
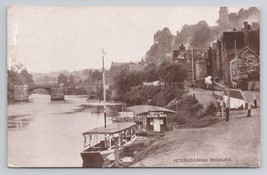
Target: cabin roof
(110,129)
(142,109)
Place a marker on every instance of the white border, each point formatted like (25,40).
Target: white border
(262,4)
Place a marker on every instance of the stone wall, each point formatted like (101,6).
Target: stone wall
(21,93)
(245,67)
(57,92)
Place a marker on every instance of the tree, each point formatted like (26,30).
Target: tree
(18,75)
(201,35)
(150,73)
(184,36)
(62,78)
(12,79)
(97,75)
(174,74)
(71,80)
(25,77)
(171,73)
(86,72)
(125,80)
(162,45)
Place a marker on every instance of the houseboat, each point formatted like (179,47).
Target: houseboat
(100,143)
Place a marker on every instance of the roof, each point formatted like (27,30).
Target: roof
(142,109)
(248,49)
(110,129)
(118,64)
(235,93)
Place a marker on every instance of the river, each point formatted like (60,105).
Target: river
(44,133)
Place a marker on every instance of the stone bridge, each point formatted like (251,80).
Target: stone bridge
(22,92)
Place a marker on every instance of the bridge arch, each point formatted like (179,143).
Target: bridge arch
(45,91)
(56,91)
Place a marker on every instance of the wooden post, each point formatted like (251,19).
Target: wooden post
(119,139)
(109,139)
(249,111)
(228,106)
(117,156)
(221,105)
(255,101)
(192,55)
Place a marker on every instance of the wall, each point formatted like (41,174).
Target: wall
(57,92)
(21,93)
(200,70)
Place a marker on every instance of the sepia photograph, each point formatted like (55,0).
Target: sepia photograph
(133,86)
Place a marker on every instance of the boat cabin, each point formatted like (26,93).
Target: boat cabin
(151,118)
(100,139)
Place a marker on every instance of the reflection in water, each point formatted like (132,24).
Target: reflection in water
(49,134)
(18,121)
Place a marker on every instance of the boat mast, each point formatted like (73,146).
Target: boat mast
(104,91)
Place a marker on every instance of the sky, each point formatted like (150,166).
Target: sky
(46,39)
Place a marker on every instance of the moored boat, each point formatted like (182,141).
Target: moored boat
(101,144)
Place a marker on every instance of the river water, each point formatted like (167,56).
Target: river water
(42,133)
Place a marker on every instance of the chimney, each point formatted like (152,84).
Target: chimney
(249,27)
(246,25)
(182,47)
(246,33)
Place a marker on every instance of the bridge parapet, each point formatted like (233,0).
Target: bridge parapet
(22,92)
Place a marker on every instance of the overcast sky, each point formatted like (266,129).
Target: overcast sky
(48,39)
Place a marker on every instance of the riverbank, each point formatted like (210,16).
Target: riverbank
(224,144)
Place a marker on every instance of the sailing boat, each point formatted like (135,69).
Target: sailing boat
(100,143)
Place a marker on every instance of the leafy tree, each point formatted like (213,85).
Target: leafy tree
(184,36)
(162,45)
(151,73)
(97,75)
(25,77)
(62,78)
(171,73)
(174,74)
(12,79)
(86,72)
(125,80)
(71,80)
(252,14)
(201,35)
(18,75)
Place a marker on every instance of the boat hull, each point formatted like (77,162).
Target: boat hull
(95,159)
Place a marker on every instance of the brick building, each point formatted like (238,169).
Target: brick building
(202,61)
(232,45)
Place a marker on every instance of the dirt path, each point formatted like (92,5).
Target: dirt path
(232,144)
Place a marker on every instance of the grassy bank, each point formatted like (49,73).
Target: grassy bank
(152,95)
(190,113)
